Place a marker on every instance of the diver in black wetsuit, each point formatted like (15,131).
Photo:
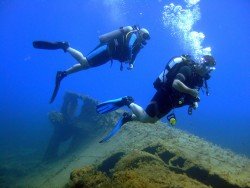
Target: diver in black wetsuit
(178,85)
(123,45)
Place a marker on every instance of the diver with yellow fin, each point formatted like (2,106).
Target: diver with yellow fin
(122,44)
(177,86)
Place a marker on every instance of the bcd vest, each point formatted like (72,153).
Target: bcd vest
(166,77)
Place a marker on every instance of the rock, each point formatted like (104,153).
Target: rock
(136,169)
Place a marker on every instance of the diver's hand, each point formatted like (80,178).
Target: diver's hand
(130,67)
(192,107)
(195,105)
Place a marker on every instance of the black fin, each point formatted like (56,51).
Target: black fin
(59,76)
(54,93)
(50,45)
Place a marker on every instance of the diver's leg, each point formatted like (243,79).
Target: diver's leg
(96,58)
(99,56)
(82,61)
(141,115)
(76,68)
(77,55)
(153,112)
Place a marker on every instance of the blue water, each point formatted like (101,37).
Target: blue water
(27,75)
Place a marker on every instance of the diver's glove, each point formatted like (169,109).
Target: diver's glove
(130,65)
(193,106)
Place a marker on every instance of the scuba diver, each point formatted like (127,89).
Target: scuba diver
(178,85)
(122,44)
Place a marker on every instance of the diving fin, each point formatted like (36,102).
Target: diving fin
(59,76)
(113,105)
(51,45)
(126,117)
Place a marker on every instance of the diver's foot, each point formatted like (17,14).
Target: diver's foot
(126,117)
(59,76)
(63,45)
(127,100)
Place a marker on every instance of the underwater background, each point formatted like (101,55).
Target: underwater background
(27,75)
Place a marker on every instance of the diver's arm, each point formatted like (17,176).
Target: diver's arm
(132,60)
(131,44)
(181,87)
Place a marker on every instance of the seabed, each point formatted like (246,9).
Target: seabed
(140,155)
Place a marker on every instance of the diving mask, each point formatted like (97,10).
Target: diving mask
(208,63)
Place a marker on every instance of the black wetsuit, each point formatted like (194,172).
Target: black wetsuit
(168,98)
(122,49)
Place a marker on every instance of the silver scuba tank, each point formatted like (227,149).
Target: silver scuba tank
(107,37)
(173,62)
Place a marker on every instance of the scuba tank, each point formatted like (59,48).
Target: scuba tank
(107,37)
(162,78)
(171,68)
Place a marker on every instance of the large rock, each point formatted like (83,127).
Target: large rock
(154,166)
